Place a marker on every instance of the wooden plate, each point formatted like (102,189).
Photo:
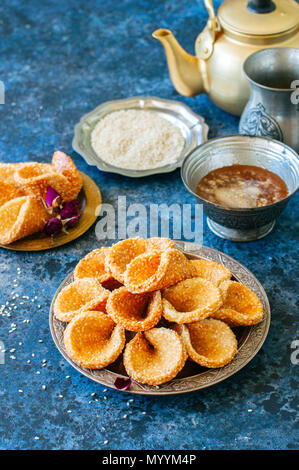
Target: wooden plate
(192,377)
(90,199)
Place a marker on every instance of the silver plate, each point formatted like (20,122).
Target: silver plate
(193,377)
(192,126)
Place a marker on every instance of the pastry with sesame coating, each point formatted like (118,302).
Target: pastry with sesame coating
(20,217)
(191,300)
(212,271)
(154,356)
(241,307)
(209,343)
(157,270)
(123,252)
(82,294)
(93,340)
(93,266)
(135,312)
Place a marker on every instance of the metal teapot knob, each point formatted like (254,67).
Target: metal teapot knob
(261,6)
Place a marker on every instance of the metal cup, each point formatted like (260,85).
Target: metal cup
(233,223)
(273,108)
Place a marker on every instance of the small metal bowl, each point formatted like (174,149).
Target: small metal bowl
(241,224)
(191,125)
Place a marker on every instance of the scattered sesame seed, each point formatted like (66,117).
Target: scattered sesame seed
(106,442)
(36,438)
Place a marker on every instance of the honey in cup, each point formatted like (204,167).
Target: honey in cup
(242,187)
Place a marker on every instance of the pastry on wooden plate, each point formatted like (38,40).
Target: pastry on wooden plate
(20,217)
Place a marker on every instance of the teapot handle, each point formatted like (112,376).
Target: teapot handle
(261,6)
(204,43)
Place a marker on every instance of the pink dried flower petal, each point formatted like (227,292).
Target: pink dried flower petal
(53,198)
(122,384)
(53,226)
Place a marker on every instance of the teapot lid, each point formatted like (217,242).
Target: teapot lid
(259,17)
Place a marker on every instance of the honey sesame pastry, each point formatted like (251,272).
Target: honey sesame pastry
(21,217)
(157,270)
(82,294)
(93,266)
(191,300)
(7,171)
(135,312)
(209,343)
(241,307)
(93,340)
(64,165)
(8,191)
(35,178)
(212,271)
(123,252)
(154,356)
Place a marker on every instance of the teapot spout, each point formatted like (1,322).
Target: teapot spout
(184,69)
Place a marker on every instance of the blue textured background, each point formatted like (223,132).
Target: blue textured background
(58,61)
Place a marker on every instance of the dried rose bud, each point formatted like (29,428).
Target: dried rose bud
(53,198)
(53,226)
(73,221)
(70,209)
(122,384)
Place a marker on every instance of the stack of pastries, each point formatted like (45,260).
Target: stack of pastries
(23,190)
(175,308)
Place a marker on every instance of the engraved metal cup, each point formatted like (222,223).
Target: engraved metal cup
(242,224)
(273,108)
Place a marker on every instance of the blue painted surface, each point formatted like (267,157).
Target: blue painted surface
(58,61)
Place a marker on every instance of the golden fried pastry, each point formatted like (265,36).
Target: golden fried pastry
(82,294)
(155,356)
(241,307)
(35,178)
(93,340)
(212,271)
(7,171)
(210,343)
(64,165)
(123,252)
(135,312)
(21,217)
(93,265)
(8,192)
(156,270)
(191,300)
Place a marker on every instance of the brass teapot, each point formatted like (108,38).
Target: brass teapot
(241,28)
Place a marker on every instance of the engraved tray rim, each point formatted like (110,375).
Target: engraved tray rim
(249,348)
